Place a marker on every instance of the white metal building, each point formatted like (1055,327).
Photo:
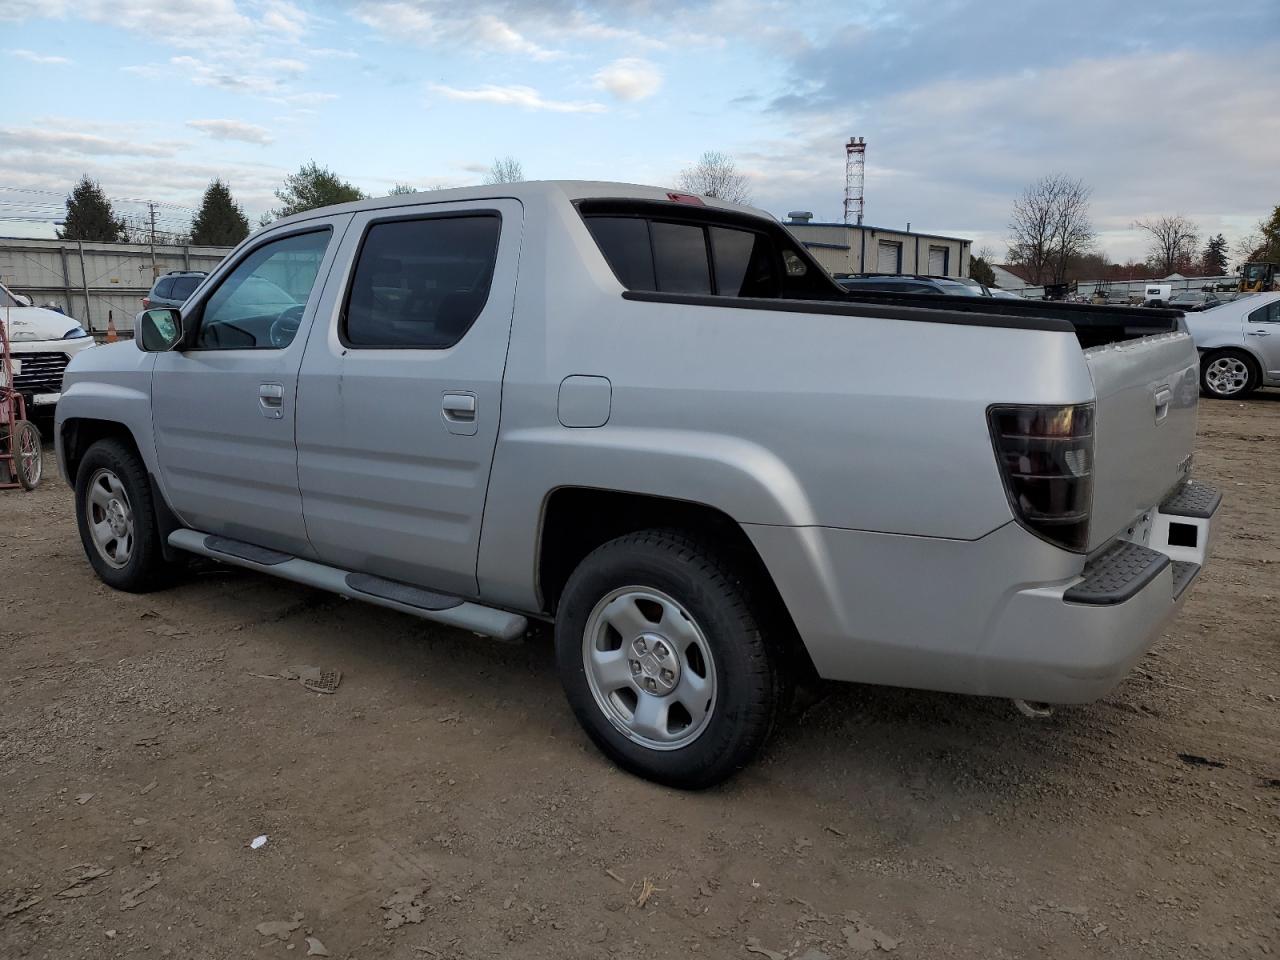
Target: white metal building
(847,248)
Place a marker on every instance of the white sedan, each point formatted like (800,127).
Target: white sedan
(1239,344)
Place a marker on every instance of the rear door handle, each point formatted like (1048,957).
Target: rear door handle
(271,400)
(458,410)
(1259,333)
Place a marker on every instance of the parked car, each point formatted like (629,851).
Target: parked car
(675,438)
(42,343)
(1193,301)
(173,289)
(1239,344)
(912,283)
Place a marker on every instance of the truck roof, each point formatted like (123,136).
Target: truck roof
(523,190)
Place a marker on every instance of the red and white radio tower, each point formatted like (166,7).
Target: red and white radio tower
(855,176)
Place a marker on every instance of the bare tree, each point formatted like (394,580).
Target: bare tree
(1173,241)
(1050,227)
(716,175)
(401,189)
(505,170)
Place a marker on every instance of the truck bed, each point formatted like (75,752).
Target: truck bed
(1093,325)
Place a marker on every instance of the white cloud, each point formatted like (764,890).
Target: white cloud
(516,96)
(450,24)
(233,130)
(32,57)
(67,141)
(629,79)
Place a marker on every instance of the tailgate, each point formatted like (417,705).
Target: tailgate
(1144,426)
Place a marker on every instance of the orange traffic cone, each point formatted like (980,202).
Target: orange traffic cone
(111,326)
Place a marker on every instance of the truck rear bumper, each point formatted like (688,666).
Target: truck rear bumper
(1006,615)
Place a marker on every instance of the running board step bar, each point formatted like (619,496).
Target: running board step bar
(437,607)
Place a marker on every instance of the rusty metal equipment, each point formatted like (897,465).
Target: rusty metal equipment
(20,456)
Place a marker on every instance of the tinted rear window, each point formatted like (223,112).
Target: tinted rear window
(625,244)
(680,258)
(746,264)
(657,255)
(183,287)
(162,288)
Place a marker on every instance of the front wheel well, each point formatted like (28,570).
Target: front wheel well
(577,520)
(78,434)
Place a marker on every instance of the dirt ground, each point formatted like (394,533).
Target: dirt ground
(443,803)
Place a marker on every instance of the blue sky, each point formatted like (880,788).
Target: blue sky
(1161,107)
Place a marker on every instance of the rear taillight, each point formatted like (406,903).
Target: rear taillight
(1045,455)
(146,303)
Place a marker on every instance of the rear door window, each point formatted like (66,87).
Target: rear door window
(162,288)
(421,283)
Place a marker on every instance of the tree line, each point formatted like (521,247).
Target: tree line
(1052,238)
(220,220)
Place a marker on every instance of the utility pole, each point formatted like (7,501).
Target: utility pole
(155,272)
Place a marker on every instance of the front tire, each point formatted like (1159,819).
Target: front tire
(1228,374)
(117,520)
(664,661)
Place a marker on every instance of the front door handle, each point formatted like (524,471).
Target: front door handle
(1259,333)
(271,400)
(458,410)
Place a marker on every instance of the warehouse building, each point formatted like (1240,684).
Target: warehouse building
(848,248)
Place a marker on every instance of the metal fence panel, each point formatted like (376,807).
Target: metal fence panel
(95,281)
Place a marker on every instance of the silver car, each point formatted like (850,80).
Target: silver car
(1239,344)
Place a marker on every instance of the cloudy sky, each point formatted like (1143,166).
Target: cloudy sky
(1162,106)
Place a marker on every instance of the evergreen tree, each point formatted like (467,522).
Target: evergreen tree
(313,186)
(89,214)
(1213,262)
(221,221)
(980,270)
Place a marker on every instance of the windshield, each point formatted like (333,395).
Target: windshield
(1255,271)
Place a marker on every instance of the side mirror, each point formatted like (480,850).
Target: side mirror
(23,299)
(159,329)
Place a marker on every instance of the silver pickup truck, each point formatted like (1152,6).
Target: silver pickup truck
(654,420)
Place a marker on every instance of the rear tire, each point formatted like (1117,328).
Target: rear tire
(664,661)
(1228,374)
(115,512)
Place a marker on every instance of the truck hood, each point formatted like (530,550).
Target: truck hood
(36,323)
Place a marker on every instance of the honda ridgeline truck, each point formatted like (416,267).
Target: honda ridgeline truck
(654,420)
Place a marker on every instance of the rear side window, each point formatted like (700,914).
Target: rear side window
(421,283)
(666,257)
(1268,314)
(183,287)
(162,288)
(745,263)
(625,244)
